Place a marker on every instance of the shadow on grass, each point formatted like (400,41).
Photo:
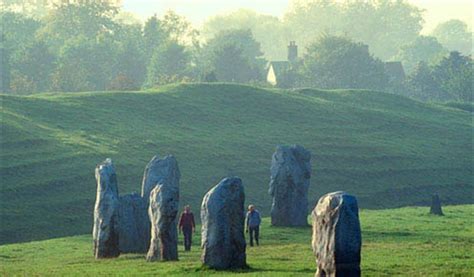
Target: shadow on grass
(249,269)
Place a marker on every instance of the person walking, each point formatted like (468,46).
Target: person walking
(187,226)
(253,224)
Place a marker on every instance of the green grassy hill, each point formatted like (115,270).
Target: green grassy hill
(399,242)
(388,150)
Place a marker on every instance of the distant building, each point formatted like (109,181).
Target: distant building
(276,69)
(395,72)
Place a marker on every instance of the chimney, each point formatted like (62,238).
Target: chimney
(292,52)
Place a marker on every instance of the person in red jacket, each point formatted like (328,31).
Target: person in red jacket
(187,226)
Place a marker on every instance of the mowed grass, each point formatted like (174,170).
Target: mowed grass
(387,150)
(405,241)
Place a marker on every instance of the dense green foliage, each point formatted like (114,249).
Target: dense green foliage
(88,46)
(383,25)
(399,242)
(167,65)
(336,62)
(234,56)
(449,80)
(388,150)
(455,35)
(423,49)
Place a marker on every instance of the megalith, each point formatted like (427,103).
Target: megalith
(106,220)
(436,205)
(289,183)
(134,224)
(160,171)
(163,210)
(222,217)
(337,238)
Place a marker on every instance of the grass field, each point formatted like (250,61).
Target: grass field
(387,150)
(405,241)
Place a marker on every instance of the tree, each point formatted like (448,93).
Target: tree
(384,25)
(455,36)
(421,83)
(84,64)
(337,62)
(129,66)
(230,65)
(168,64)
(88,19)
(17,32)
(449,80)
(34,63)
(154,34)
(179,29)
(5,71)
(306,20)
(34,8)
(268,30)
(423,49)
(234,56)
(454,75)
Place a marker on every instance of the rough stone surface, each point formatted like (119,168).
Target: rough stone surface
(436,205)
(160,171)
(336,235)
(163,210)
(134,224)
(289,183)
(106,221)
(222,217)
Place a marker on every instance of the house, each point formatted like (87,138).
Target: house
(276,69)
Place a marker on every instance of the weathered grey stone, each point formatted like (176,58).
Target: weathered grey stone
(222,217)
(134,224)
(164,203)
(160,171)
(436,205)
(106,222)
(289,183)
(336,235)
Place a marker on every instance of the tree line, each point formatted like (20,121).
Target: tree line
(93,45)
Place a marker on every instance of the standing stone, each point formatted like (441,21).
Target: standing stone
(336,235)
(164,201)
(222,217)
(289,183)
(160,171)
(436,205)
(106,222)
(134,224)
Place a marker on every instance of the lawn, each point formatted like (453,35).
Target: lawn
(388,150)
(404,241)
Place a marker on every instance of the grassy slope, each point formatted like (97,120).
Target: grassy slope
(404,241)
(387,150)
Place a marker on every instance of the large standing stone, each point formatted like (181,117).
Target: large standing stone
(289,183)
(134,231)
(106,222)
(164,201)
(436,205)
(336,235)
(160,171)
(222,217)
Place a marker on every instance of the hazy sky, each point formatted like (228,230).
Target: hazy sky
(197,10)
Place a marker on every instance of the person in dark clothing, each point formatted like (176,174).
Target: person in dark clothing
(187,226)
(253,224)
